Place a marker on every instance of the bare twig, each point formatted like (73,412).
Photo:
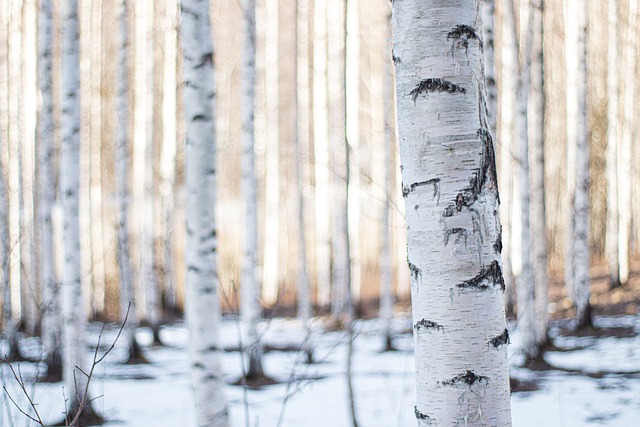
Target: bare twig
(21,383)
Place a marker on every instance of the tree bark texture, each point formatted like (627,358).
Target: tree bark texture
(202,305)
(451,197)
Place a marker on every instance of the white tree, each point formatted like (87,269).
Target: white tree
(578,258)
(202,303)
(73,313)
(51,331)
(453,228)
(127,299)
(488,37)
(249,291)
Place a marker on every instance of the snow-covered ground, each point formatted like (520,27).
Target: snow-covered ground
(597,384)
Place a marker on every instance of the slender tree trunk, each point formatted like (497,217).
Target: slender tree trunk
(249,290)
(537,163)
(613,216)
(73,312)
(336,16)
(50,306)
(580,205)
(625,152)
(488,37)
(453,227)
(127,299)
(202,305)
(168,156)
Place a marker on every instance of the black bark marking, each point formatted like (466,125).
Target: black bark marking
(416,273)
(435,85)
(421,416)
(501,339)
(488,278)
(408,189)
(428,324)
(485,174)
(194,269)
(459,231)
(461,35)
(396,60)
(469,378)
(497,246)
(200,118)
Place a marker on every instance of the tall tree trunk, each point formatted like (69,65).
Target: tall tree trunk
(488,37)
(580,204)
(168,156)
(271,263)
(127,299)
(201,256)
(613,216)
(625,152)
(536,148)
(453,227)
(73,307)
(336,18)
(249,290)
(321,155)
(50,306)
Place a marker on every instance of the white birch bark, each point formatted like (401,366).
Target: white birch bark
(202,304)
(488,37)
(536,149)
(525,280)
(95,159)
(50,305)
(127,299)
(580,205)
(271,261)
(302,148)
(249,291)
(168,156)
(571,46)
(336,16)
(321,170)
(624,154)
(613,216)
(73,312)
(453,226)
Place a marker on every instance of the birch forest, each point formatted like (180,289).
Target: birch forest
(250,213)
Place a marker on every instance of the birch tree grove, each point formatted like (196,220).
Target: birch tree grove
(202,305)
(453,228)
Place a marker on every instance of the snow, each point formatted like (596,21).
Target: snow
(598,383)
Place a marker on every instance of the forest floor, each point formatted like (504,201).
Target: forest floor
(590,378)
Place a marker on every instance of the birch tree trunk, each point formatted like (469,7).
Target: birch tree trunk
(127,299)
(50,306)
(488,37)
(624,154)
(613,216)
(302,154)
(340,280)
(580,205)
(453,226)
(249,291)
(202,304)
(74,316)
(536,148)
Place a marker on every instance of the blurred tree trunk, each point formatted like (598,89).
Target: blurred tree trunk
(168,156)
(453,227)
(625,152)
(539,246)
(127,298)
(250,311)
(201,256)
(488,37)
(73,307)
(50,305)
(579,258)
(340,277)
